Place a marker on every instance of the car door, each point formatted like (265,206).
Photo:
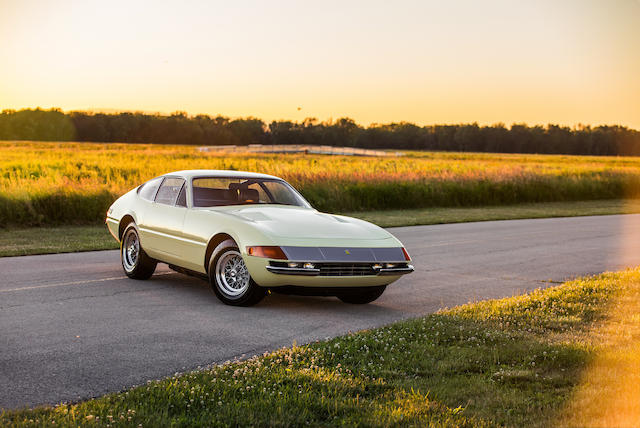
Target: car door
(163,221)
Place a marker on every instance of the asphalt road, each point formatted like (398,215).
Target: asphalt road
(72,326)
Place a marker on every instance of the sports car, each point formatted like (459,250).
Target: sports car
(249,234)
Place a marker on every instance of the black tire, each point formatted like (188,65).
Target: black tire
(135,262)
(361,295)
(233,286)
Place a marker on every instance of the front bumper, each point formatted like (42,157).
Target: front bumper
(113,225)
(330,267)
(316,271)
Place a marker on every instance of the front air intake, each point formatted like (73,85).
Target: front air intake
(346,269)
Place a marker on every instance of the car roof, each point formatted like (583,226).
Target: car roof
(191,173)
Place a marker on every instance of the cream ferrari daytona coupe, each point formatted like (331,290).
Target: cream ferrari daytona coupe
(249,233)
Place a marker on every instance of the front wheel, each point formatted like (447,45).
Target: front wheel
(135,262)
(361,295)
(230,279)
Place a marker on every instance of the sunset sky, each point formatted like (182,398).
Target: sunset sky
(558,61)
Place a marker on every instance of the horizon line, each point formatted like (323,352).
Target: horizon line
(329,121)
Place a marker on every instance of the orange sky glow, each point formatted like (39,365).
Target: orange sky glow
(537,62)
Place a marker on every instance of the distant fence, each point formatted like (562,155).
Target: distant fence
(298,148)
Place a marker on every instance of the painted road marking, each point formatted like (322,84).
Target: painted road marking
(66,284)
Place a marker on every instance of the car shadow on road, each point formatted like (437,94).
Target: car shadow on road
(200,289)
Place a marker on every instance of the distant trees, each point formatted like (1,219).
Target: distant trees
(39,125)
(179,128)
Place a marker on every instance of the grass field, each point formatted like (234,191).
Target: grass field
(55,239)
(565,356)
(24,241)
(74,183)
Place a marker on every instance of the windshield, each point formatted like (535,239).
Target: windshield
(215,192)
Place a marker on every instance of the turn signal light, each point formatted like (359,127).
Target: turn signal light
(406,255)
(267,252)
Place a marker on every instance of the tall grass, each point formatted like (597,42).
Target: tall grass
(55,183)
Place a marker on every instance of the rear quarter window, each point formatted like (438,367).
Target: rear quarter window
(149,189)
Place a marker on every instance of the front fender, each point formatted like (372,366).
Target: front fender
(125,205)
(207,227)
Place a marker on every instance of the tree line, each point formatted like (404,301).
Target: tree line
(179,128)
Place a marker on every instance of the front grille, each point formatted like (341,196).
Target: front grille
(345,269)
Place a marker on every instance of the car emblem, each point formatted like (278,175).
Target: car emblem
(347,252)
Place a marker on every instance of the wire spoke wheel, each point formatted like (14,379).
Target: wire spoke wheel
(232,275)
(130,250)
(135,261)
(230,278)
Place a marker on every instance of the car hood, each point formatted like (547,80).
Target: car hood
(297,222)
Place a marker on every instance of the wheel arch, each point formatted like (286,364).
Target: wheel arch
(124,222)
(215,240)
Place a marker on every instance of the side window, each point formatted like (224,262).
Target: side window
(182,197)
(169,190)
(149,189)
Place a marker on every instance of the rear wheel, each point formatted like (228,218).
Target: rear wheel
(361,295)
(135,262)
(230,278)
